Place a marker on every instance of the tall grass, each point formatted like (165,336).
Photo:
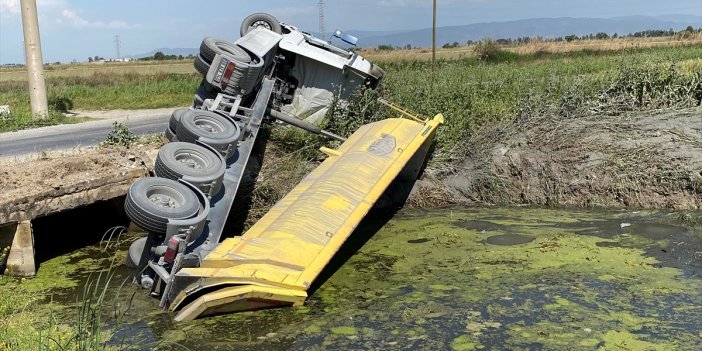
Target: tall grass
(474,94)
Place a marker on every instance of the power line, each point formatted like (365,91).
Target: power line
(322,29)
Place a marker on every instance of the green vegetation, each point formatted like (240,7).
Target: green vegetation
(492,87)
(31,318)
(101,91)
(474,94)
(120,136)
(434,280)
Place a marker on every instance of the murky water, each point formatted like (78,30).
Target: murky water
(465,279)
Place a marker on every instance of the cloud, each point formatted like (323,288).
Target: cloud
(11,8)
(75,20)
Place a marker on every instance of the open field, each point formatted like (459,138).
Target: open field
(106,68)
(535,46)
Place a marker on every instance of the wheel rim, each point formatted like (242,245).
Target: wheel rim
(190,160)
(165,197)
(209,126)
(261,23)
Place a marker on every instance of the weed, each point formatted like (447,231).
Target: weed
(120,136)
(689,219)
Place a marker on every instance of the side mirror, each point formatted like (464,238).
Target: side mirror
(348,38)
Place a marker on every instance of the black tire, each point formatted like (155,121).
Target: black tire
(134,253)
(213,46)
(176,160)
(201,66)
(170,135)
(175,118)
(260,20)
(152,202)
(209,128)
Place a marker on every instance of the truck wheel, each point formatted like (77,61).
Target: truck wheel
(177,160)
(152,202)
(260,20)
(209,128)
(200,65)
(170,135)
(213,46)
(175,118)
(134,254)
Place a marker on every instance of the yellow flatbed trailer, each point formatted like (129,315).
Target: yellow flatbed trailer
(275,262)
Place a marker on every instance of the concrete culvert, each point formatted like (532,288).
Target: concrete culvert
(152,202)
(198,165)
(209,128)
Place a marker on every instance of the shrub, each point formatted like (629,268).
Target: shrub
(488,50)
(120,136)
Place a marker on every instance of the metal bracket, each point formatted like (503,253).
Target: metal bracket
(405,112)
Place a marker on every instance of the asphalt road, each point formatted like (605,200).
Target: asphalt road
(71,136)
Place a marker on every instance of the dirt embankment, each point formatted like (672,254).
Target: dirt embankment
(651,160)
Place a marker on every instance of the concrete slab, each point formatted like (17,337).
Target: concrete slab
(20,262)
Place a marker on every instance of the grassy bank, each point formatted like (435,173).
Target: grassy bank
(474,94)
(478,97)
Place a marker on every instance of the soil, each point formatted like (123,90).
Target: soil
(53,171)
(651,160)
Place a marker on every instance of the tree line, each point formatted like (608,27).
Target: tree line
(652,33)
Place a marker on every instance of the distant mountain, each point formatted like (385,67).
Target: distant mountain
(544,27)
(167,51)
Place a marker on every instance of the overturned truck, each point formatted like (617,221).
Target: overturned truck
(273,72)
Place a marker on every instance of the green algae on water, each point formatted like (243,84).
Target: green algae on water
(430,280)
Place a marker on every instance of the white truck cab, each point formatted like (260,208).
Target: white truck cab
(310,71)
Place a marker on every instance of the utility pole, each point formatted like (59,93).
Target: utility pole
(33,59)
(322,29)
(118,45)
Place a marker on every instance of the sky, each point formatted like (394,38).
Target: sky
(77,29)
